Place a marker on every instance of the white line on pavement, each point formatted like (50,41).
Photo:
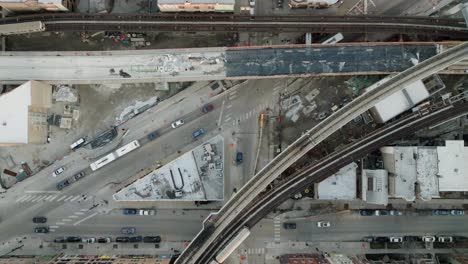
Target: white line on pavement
(61,198)
(84,219)
(73,216)
(79,213)
(229,106)
(42,191)
(84,210)
(53,226)
(60,223)
(66,220)
(51,230)
(227,119)
(68,198)
(22,198)
(36,199)
(232,97)
(75,198)
(233,92)
(221,114)
(53,198)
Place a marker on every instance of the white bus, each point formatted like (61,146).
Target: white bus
(127,148)
(102,161)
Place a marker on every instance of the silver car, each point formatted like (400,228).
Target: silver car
(177,123)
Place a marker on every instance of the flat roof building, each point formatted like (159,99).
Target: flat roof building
(311,3)
(453,166)
(375,186)
(196,5)
(340,186)
(23,115)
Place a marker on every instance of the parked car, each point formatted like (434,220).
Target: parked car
(129,211)
(440,212)
(152,239)
(177,123)
(127,230)
(146,212)
(381,212)
(396,239)
(411,238)
(73,239)
(251,3)
(445,239)
(152,135)
(58,171)
(366,212)
(63,184)
(428,239)
(323,224)
(207,108)
(395,212)
(289,225)
(41,230)
(136,239)
(89,240)
(104,240)
(382,239)
(122,239)
(79,175)
(60,240)
(198,133)
(39,219)
(457,212)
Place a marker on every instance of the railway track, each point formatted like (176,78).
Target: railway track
(324,168)
(237,23)
(252,189)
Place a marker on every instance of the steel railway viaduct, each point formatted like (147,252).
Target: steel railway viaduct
(219,228)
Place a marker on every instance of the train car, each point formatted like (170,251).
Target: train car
(102,161)
(232,245)
(335,39)
(311,3)
(21,28)
(127,148)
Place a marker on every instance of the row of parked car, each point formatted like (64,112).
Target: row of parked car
(89,240)
(379,212)
(399,239)
(64,183)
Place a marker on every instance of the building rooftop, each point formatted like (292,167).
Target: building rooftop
(14,115)
(197,175)
(426,167)
(340,186)
(453,166)
(375,186)
(401,165)
(229,2)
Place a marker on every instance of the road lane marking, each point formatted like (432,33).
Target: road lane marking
(66,220)
(227,119)
(53,198)
(61,198)
(42,191)
(79,213)
(68,199)
(23,198)
(84,219)
(229,106)
(51,230)
(84,210)
(54,226)
(75,198)
(36,199)
(232,97)
(221,114)
(60,223)
(73,216)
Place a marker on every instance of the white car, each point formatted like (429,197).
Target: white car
(58,171)
(89,240)
(428,239)
(146,212)
(396,239)
(445,239)
(323,224)
(177,123)
(252,3)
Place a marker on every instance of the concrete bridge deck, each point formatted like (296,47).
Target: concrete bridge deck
(175,65)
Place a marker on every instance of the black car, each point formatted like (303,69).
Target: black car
(122,239)
(136,239)
(411,238)
(441,212)
(63,184)
(289,225)
(39,219)
(104,240)
(79,175)
(366,212)
(382,239)
(153,135)
(60,240)
(152,239)
(73,239)
(42,230)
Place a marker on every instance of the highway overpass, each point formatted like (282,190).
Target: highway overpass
(175,65)
(218,225)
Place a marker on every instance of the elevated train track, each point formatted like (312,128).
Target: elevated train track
(327,166)
(455,28)
(217,224)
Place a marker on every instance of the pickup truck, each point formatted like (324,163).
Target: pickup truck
(197,133)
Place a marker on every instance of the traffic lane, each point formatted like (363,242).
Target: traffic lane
(353,227)
(178,229)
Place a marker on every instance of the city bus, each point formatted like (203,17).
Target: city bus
(102,161)
(127,148)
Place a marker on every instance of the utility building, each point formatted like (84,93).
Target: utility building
(23,115)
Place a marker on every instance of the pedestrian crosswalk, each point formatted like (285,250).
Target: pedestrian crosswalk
(36,198)
(255,251)
(253,113)
(276,229)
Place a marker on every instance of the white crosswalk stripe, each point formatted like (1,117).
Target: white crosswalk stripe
(23,198)
(34,198)
(61,198)
(68,198)
(75,198)
(277,229)
(53,198)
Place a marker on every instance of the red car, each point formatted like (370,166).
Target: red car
(207,108)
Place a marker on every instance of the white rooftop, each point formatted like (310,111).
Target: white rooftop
(404,170)
(340,186)
(453,166)
(375,186)
(426,167)
(14,115)
(400,101)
